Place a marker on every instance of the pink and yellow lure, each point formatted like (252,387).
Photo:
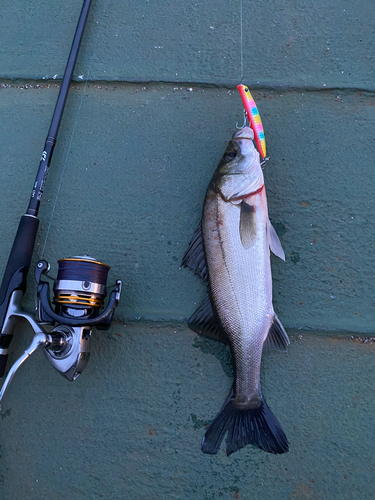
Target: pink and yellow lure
(254,118)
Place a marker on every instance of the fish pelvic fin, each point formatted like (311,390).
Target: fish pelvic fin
(195,256)
(256,426)
(204,322)
(277,338)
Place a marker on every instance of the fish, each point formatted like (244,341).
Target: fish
(230,250)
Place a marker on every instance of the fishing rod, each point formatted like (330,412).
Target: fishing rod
(80,287)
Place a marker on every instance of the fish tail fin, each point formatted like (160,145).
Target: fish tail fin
(256,426)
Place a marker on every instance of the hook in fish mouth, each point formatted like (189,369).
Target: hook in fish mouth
(243,133)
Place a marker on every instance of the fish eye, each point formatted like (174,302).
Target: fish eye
(230,155)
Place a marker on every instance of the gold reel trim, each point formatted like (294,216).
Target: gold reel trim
(78,300)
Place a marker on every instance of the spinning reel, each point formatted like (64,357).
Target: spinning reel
(79,293)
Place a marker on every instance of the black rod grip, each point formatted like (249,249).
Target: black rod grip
(20,255)
(3,363)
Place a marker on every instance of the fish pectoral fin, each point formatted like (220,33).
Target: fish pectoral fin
(204,322)
(274,242)
(248,229)
(277,338)
(195,257)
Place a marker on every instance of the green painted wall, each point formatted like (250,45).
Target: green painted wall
(137,146)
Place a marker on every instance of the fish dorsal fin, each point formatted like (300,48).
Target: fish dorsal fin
(248,228)
(204,322)
(195,257)
(274,242)
(277,338)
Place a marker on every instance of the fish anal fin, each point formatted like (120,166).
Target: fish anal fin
(195,256)
(277,338)
(248,229)
(204,322)
(274,242)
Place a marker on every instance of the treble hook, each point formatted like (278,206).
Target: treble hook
(263,163)
(244,120)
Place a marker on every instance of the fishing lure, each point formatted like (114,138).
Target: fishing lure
(254,118)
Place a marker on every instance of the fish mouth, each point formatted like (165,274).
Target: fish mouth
(244,138)
(243,133)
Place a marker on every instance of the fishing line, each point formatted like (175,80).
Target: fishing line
(74,128)
(241,43)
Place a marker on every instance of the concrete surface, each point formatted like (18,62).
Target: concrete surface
(131,425)
(147,120)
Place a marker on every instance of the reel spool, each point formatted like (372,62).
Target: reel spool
(79,293)
(81,284)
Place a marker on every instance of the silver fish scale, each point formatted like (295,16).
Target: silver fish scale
(241,288)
